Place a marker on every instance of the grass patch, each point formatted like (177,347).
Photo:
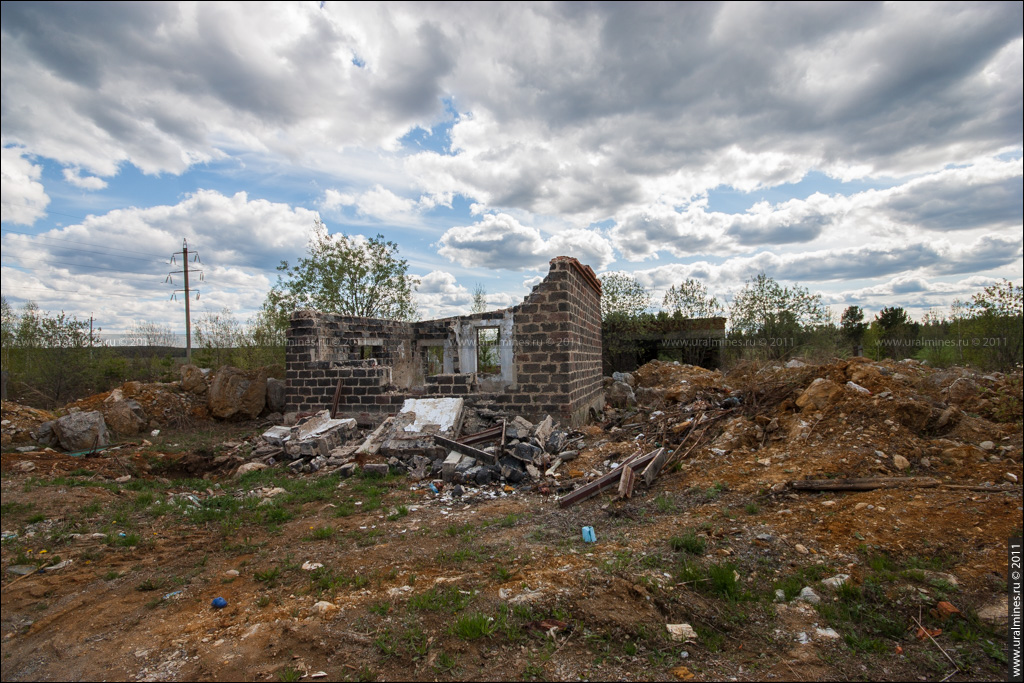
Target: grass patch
(664,503)
(448,599)
(689,542)
(473,626)
(322,533)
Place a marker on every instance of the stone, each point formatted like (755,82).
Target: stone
(829,633)
(996,613)
(526,452)
(987,446)
(379,468)
(858,388)
(795,364)
(799,547)
(125,417)
(1011,477)
(249,467)
(808,595)
(620,395)
(780,595)
(44,434)
(82,431)
(681,633)
(900,463)
(820,394)
(625,377)
(232,573)
(275,400)
(194,380)
(323,607)
(237,394)
(836,581)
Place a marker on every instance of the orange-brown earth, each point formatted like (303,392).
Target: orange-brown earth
(499,585)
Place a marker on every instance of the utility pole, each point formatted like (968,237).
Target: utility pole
(184,272)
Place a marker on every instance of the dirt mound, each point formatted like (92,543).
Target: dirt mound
(20,421)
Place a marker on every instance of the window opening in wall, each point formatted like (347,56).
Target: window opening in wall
(368,352)
(487,357)
(434,358)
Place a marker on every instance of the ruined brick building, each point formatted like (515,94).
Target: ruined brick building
(540,357)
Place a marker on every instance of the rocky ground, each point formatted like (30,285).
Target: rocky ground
(378,577)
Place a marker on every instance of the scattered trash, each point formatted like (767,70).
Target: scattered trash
(219,603)
(168,596)
(588,535)
(155,432)
(309,565)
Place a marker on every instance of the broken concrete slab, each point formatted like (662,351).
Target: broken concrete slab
(432,415)
(277,436)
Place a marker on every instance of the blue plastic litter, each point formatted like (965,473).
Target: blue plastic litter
(588,535)
(433,488)
(219,603)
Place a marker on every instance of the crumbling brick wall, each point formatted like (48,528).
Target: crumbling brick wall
(550,356)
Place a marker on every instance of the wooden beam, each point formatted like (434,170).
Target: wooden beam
(480,437)
(466,450)
(864,484)
(607,481)
(626,481)
(654,467)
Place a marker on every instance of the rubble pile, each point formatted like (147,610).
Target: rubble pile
(845,418)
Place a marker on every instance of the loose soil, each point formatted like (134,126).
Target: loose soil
(498,584)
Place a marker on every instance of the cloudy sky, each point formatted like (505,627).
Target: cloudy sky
(869,152)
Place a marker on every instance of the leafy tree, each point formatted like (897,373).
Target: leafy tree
(997,323)
(895,331)
(479,299)
(764,307)
(690,299)
(852,324)
(216,335)
(623,295)
(350,275)
(47,354)
(148,333)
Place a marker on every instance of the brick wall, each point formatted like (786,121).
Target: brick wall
(556,343)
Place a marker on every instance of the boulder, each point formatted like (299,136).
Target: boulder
(236,394)
(626,377)
(620,395)
(44,434)
(125,417)
(819,395)
(275,395)
(82,431)
(193,380)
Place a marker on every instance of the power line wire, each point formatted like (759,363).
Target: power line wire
(88,244)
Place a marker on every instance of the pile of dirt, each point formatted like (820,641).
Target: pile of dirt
(163,403)
(20,421)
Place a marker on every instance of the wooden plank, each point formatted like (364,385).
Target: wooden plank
(482,436)
(654,467)
(607,481)
(863,484)
(466,450)
(626,481)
